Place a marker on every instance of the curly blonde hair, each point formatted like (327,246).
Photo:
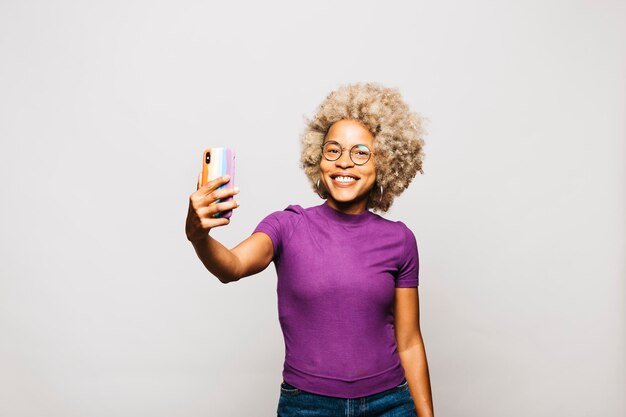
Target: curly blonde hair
(397,132)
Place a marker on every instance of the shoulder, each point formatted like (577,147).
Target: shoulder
(290,215)
(407,234)
(396,226)
(397,232)
(297,211)
(282,224)
(292,211)
(404,229)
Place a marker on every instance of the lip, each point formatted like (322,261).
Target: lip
(344,174)
(340,184)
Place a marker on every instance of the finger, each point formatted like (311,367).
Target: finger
(215,222)
(216,183)
(214,209)
(199,181)
(208,211)
(223,193)
(215,196)
(202,198)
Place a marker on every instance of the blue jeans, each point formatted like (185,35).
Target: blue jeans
(394,402)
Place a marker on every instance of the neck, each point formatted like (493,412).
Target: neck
(352,207)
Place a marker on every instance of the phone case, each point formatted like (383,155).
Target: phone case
(215,163)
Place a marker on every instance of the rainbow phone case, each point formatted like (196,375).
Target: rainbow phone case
(215,163)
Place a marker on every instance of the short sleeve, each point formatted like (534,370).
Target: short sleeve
(279,226)
(408,273)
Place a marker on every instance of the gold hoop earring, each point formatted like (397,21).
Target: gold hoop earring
(317,190)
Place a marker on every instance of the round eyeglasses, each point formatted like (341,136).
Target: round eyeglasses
(359,154)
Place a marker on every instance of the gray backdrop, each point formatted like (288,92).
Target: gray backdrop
(105,108)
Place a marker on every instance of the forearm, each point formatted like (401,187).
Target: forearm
(218,259)
(415,366)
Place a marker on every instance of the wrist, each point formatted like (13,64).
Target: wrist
(199,240)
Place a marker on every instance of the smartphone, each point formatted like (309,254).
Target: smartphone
(217,162)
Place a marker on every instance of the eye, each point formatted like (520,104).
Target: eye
(332,149)
(361,150)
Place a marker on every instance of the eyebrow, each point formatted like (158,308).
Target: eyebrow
(369,148)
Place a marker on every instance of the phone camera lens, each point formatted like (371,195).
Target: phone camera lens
(208,157)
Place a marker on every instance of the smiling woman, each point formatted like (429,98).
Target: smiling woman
(348,183)
(395,130)
(348,303)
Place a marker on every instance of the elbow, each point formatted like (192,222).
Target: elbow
(227,274)
(228,278)
(225,280)
(233,275)
(409,342)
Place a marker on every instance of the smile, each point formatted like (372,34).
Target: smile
(344,180)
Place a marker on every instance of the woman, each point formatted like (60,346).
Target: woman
(347,278)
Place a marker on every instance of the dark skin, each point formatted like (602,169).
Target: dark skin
(255,253)
(249,257)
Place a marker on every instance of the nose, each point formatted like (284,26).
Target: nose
(344,160)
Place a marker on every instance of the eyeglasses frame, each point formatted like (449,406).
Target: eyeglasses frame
(349,153)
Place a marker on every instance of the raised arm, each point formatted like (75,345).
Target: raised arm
(247,258)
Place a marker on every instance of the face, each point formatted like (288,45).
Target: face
(348,184)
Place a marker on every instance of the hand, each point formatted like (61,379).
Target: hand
(203,206)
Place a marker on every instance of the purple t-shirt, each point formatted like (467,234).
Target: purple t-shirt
(337,275)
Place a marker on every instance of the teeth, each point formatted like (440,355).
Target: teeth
(344,179)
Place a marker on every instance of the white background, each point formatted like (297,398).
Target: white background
(105,108)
